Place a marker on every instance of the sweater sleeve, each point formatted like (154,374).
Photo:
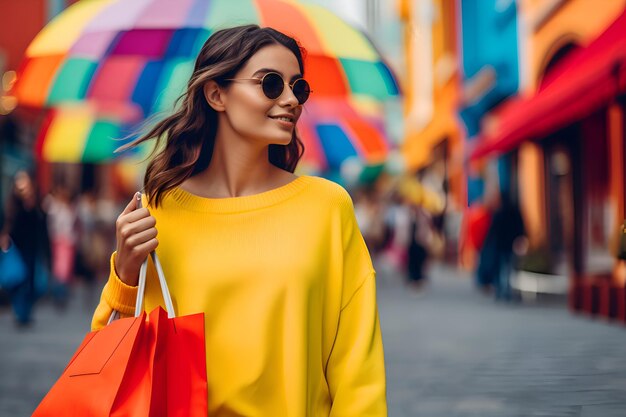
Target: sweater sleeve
(116,295)
(355,370)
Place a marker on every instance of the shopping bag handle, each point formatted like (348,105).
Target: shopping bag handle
(169,305)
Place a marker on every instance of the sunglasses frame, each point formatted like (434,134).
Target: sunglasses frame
(260,82)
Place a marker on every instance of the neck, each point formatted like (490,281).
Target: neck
(238,167)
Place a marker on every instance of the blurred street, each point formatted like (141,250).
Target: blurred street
(488,135)
(450,352)
(453,352)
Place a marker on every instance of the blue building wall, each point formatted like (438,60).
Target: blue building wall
(489,36)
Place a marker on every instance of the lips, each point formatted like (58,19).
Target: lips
(284,117)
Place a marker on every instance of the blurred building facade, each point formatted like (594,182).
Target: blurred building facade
(526,99)
(432,144)
(564,137)
(489,59)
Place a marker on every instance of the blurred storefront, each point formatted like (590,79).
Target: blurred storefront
(564,138)
(432,145)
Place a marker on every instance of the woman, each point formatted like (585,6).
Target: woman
(275,261)
(26,225)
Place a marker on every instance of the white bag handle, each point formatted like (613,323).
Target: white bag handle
(141,289)
(169,305)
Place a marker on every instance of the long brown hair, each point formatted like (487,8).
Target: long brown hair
(189,133)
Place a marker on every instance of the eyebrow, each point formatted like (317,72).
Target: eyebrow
(266,70)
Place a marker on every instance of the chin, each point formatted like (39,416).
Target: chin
(285,141)
(279,139)
(280,142)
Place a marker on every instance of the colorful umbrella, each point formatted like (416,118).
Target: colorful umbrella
(335,124)
(87,132)
(141,53)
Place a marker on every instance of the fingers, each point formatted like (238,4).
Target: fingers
(135,221)
(135,215)
(142,237)
(147,247)
(129,229)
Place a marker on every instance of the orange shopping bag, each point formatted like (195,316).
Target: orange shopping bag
(136,367)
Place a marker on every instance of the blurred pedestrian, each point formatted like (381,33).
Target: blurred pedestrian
(370,215)
(474,227)
(485,237)
(423,239)
(62,225)
(87,256)
(398,222)
(275,261)
(26,225)
(420,239)
(505,237)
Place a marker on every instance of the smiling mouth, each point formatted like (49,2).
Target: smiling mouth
(283,118)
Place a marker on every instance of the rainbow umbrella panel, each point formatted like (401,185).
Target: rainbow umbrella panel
(139,54)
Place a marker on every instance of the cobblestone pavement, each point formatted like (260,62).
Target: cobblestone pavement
(449,350)
(454,352)
(32,359)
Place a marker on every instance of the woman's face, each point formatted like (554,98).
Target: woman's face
(250,113)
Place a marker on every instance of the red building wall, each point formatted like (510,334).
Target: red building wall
(20,21)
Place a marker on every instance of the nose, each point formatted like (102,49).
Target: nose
(287,98)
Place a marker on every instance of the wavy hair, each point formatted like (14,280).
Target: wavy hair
(185,140)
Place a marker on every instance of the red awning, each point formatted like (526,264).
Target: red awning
(578,86)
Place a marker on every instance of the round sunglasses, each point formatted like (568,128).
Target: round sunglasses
(273,86)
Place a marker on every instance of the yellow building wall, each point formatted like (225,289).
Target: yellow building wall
(420,137)
(532,199)
(404,13)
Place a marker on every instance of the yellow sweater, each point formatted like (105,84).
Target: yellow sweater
(288,291)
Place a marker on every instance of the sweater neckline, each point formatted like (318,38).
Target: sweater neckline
(194,202)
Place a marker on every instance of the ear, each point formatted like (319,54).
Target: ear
(214,96)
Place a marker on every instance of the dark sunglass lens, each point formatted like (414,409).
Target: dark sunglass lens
(273,85)
(301,90)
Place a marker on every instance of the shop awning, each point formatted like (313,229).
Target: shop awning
(578,86)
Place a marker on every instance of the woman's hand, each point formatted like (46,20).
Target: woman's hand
(136,238)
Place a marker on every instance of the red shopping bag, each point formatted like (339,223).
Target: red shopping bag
(101,370)
(185,360)
(136,367)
